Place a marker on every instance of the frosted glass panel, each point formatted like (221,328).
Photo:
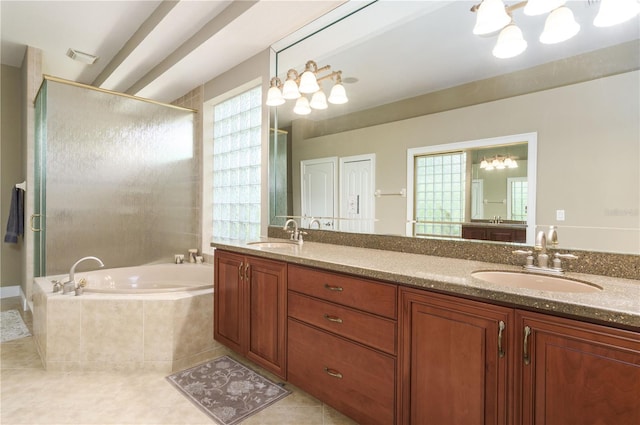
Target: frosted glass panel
(121,179)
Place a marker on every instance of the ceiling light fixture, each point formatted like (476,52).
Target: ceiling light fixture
(560,25)
(82,56)
(498,162)
(297,86)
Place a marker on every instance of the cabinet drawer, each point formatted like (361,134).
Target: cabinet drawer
(355,380)
(365,328)
(367,295)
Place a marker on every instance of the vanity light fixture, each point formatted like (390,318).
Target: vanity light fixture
(494,16)
(498,163)
(297,86)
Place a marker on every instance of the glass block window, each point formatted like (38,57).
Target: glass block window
(236,166)
(518,198)
(439,194)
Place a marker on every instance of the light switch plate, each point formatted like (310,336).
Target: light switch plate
(560,215)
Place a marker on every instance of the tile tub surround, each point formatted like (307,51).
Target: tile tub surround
(618,304)
(95,332)
(626,266)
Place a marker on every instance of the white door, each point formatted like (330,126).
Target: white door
(477,199)
(357,201)
(319,191)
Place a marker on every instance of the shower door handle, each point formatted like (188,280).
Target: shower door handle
(31,222)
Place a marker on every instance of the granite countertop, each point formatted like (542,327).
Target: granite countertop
(618,304)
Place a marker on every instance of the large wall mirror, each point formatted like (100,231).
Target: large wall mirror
(417,78)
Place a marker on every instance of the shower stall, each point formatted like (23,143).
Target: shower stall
(117,177)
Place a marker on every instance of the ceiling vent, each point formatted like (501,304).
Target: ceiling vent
(81,56)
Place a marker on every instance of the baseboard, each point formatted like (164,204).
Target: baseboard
(10,291)
(15,291)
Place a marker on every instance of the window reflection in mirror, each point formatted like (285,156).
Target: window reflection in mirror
(470,190)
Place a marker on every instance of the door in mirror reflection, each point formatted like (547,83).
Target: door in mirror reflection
(319,192)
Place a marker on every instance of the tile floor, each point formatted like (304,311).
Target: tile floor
(31,395)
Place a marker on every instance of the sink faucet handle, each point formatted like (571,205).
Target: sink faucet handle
(557,264)
(528,253)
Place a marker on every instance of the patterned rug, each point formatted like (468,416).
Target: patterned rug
(226,390)
(11,326)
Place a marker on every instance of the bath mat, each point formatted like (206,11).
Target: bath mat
(226,390)
(12,326)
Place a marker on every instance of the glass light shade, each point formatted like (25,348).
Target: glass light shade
(274,97)
(489,167)
(484,164)
(492,17)
(302,106)
(510,43)
(500,166)
(513,164)
(613,12)
(338,95)
(559,26)
(507,162)
(308,83)
(495,162)
(319,100)
(290,90)
(540,7)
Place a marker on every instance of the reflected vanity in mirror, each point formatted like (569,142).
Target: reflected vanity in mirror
(417,78)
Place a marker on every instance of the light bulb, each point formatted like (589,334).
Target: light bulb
(308,83)
(302,106)
(274,97)
(510,43)
(338,95)
(319,100)
(484,164)
(559,26)
(290,90)
(613,12)
(492,17)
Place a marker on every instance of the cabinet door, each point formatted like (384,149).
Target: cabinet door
(228,294)
(455,363)
(577,373)
(267,313)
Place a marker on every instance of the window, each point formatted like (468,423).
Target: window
(517,198)
(439,194)
(237,166)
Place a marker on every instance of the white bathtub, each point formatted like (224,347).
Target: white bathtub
(147,279)
(151,317)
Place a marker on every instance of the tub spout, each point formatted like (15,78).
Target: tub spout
(71,285)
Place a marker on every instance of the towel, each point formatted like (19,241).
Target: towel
(15,224)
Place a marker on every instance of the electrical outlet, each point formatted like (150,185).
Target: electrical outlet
(560,215)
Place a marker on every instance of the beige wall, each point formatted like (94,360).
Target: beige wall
(588,156)
(12,170)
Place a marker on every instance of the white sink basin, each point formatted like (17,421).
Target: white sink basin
(288,245)
(535,281)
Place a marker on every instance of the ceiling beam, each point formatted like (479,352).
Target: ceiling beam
(228,15)
(138,37)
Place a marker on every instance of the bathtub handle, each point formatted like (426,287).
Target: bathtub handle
(240,271)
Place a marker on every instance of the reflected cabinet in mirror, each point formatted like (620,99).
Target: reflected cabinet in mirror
(433,121)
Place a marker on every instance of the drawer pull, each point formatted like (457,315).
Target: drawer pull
(500,331)
(333,318)
(333,288)
(332,372)
(240,275)
(527,332)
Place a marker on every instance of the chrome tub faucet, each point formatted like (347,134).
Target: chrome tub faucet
(71,284)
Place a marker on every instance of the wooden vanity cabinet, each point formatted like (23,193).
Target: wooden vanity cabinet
(500,233)
(250,308)
(571,372)
(454,360)
(342,342)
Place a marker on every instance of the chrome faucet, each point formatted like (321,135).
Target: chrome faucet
(315,220)
(71,285)
(294,232)
(542,239)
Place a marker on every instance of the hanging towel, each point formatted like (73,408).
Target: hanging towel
(15,224)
